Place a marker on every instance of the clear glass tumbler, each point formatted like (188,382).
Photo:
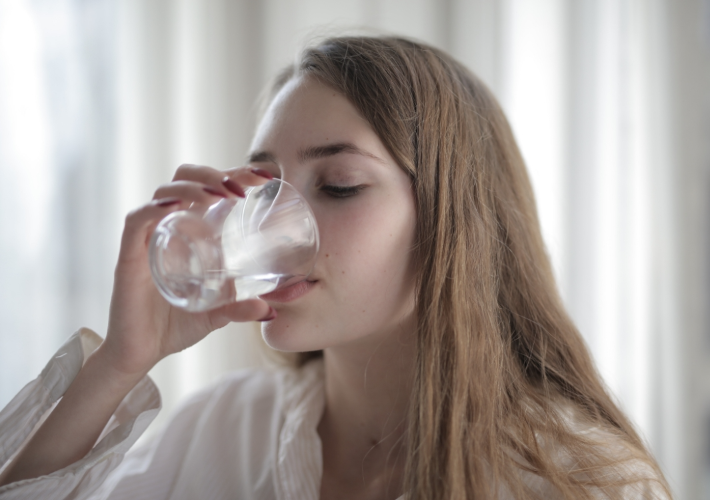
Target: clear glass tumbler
(237,249)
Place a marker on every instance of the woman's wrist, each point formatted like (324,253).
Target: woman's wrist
(119,372)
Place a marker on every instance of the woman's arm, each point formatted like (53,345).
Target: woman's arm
(143,329)
(73,427)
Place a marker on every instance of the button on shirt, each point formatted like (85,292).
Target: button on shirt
(251,436)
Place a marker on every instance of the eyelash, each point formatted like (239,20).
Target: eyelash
(342,191)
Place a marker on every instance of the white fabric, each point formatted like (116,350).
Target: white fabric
(253,436)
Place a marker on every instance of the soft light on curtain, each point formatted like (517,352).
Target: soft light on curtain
(101,101)
(58,243)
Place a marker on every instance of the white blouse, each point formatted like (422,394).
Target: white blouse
(253,435)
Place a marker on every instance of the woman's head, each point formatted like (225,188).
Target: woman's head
(425,115)
(495,347)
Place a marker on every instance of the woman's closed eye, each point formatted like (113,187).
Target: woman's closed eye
(342,191)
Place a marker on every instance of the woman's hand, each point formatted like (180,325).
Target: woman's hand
(143,326)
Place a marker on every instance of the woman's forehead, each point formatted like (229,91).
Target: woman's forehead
(307,110)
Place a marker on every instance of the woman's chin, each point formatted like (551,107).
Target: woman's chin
(288,338)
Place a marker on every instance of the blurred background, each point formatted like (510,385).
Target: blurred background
(101,100)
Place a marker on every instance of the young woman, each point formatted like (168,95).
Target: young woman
(436,360)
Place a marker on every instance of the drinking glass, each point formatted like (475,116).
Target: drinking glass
(237,249)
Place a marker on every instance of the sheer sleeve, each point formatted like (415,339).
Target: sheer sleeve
(23,415)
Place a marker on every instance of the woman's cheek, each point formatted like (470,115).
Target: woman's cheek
(368,256)
(344,234)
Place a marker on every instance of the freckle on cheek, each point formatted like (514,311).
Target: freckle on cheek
(326,256)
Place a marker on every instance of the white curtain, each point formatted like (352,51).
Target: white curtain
(101,101)
(586,88)
(58,239)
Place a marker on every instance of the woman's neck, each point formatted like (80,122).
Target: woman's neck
(367,387)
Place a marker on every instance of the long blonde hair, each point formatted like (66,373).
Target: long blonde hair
(499,362)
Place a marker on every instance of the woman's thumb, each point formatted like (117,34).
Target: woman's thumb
(247,310)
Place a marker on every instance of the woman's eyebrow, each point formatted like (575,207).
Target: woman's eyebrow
(316,152)
(261,157)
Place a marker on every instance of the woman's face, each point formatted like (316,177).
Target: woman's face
(362,284)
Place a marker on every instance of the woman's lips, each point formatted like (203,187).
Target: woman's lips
(291,292)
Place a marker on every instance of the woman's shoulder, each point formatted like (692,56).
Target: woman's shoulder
(232,426)
(628,471)
(253,391)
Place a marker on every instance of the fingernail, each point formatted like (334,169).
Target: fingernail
(167,202)
(213,191)
(233,187)
(270,315)
(262,172)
